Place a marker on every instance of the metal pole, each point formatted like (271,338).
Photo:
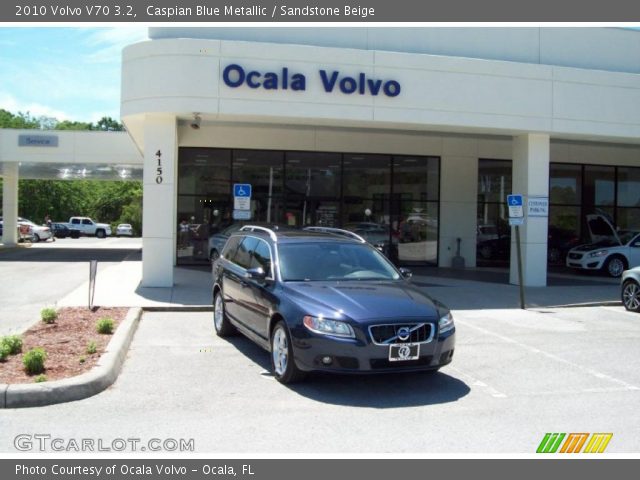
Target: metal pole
(520,282)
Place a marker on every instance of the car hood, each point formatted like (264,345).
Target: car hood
(364,300)
(596,246)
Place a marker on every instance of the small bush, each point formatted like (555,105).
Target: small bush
(83,359)
(41,378)
(33,361)
(48,315)
(5,351)
(92,348)
(105,325)
(14,342)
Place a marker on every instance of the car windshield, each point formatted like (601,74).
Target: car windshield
(331,261)
(626,236)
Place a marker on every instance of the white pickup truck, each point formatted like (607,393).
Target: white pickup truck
(86,226)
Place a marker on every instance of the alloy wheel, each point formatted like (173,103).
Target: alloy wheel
(615,267)
(631,296)
(280,351)
(218,313)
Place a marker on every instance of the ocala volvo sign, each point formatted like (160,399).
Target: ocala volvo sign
(236,76)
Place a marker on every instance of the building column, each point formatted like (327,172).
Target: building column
(10,203)
(159,200)
(531,179)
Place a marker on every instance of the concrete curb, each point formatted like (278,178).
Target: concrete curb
(82,386)
(604,303)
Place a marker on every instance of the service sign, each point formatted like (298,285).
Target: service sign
(37,140)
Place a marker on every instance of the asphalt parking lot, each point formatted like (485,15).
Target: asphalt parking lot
(516,375)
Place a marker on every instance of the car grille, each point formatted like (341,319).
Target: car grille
(575,256)
(388,334)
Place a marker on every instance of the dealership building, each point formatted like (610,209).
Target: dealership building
(417,132)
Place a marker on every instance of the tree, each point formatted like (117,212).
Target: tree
(20,120)
(108,124)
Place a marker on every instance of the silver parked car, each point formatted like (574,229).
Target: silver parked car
(631,289)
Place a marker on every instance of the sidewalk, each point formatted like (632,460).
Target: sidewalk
(119,285)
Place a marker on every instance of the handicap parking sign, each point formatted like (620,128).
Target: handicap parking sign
(242,190)
(514,202)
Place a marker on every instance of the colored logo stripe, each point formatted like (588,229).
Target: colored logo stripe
(598,442)
(574,443)
(550,442)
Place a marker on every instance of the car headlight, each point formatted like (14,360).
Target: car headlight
(599,253)
(446,323)
(326,326)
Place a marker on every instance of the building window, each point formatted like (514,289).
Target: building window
(493,234)
(392,201)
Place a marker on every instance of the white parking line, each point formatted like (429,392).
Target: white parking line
(590,371)
(471,380)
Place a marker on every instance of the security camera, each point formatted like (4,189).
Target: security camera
(195,124)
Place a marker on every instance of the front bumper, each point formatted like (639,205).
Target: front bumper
(349,355)
(586,262)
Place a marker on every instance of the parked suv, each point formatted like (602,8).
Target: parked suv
(324,302)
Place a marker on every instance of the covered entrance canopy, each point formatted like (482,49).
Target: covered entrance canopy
(61,155)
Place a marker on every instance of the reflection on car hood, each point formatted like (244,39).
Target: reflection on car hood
(364,300)
(596,246)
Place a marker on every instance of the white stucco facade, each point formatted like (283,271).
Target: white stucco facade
(531,95)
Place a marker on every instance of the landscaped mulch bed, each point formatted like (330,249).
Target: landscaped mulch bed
(65,342)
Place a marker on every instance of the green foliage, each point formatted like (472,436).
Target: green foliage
(82,359)
(21,120)
(33,361)
(5,351)
(14,342)
(92,348)
(40,378)
(48,315)
(105,326)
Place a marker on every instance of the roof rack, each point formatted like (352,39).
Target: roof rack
(258,228)
(336,231)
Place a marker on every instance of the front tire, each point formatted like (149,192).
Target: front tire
(614,266)
(100,234)
(220,321)
(36,238)
(631,296)
(282,361)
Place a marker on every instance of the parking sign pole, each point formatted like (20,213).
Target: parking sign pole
(519,252)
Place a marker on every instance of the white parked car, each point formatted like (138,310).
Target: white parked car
(611,251)
(631,289)
(124,229)
(86,226)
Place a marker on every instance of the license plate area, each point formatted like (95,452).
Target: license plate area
(403,352)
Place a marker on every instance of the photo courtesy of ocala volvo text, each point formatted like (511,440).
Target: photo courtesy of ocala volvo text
(326,302)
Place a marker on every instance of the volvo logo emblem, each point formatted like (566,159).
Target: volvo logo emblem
(404,352)
(404,333)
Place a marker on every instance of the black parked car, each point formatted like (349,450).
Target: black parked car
(321,302)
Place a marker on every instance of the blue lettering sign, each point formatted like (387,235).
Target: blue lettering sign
(235,76)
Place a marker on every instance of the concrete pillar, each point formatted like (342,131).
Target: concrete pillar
(159,200)
(531,179)
(10,203)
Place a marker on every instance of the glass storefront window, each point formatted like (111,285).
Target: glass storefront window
(494,180)
(628,218)
(599,186)
(493,234)
(372,195)
(629,187)
(565,184)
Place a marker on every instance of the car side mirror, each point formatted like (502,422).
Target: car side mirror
(256,273)
(406,273)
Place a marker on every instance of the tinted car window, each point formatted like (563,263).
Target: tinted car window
(75,221)
(262,257)
(243,254)
(333,261)
(86,222)
(230,247)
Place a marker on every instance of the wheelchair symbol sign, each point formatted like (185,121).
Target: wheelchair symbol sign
(514,202)
(242,190)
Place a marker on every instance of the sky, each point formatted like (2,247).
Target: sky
(66,73)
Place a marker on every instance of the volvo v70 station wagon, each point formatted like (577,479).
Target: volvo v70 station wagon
(324,302)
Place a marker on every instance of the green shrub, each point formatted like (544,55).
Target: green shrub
(105,325)
(41,378)
(48,315)
(14,342)
(92,348)
(83,359)
(5,351)
(33,360)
